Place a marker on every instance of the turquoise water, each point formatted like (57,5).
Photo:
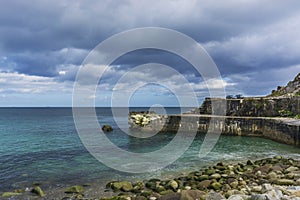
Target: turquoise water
(42,145)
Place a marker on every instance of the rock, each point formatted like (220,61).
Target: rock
(272,176)
(172,185)
(215,176)
(140,185)
(160,189)
(291,169)
(216,186)
(234,184)
(204,184)
(139,198)
(166,192)
(209,171)
(256,188)
(151,185)
(192,194)
(274,194)
(258,197)
(290,175)
(266,187)
(226,187)
(124,186)
(37,190)
(146,193)
(250,162)
(228,194)
(278,157)
(238,197)
(284,182)
(10,194)
(74,189)
(107,128)
(171,196)
(203,177)
(152,198)
(187,187)
(298,181)
(19,191)
(293,190)
(214,196)
(127,187)
(277,168)
(258,173)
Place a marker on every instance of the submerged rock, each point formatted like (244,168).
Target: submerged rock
(37,190)
(10,194)
(75,189)
(107,128)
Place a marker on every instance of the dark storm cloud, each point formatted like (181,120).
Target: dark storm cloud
(243,37)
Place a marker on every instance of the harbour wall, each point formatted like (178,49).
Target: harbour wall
(283,130)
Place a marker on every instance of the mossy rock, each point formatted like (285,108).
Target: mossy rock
(75,189)
(37,190)
(250,162)
(203,177)
(139,198)
(146,193)
(172,185)
(216,186)
(209,171)
(10,194)
(160,189)
(124,186)
(166,192)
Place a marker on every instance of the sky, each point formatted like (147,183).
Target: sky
(254,43)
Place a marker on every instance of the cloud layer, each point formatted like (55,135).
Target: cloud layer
(255,43)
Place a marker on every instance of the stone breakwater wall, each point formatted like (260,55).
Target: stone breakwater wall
(284,130)
(254,106)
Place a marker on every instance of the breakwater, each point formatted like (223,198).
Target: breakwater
(284,130)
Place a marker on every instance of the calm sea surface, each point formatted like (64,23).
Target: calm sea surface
(42,145)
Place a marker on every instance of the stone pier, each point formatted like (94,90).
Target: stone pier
(283,130)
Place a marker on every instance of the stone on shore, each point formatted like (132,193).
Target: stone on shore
(267,179)
(124,186)
(284,182)
(214,196)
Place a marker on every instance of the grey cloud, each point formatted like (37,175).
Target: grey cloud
(243,37)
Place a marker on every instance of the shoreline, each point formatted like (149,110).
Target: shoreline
(201,182)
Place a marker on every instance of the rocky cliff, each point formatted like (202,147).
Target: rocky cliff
(283,102)
(291,89)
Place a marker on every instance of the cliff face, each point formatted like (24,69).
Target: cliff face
(283,102)
(291,89)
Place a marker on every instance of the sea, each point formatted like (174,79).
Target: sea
(42,146)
